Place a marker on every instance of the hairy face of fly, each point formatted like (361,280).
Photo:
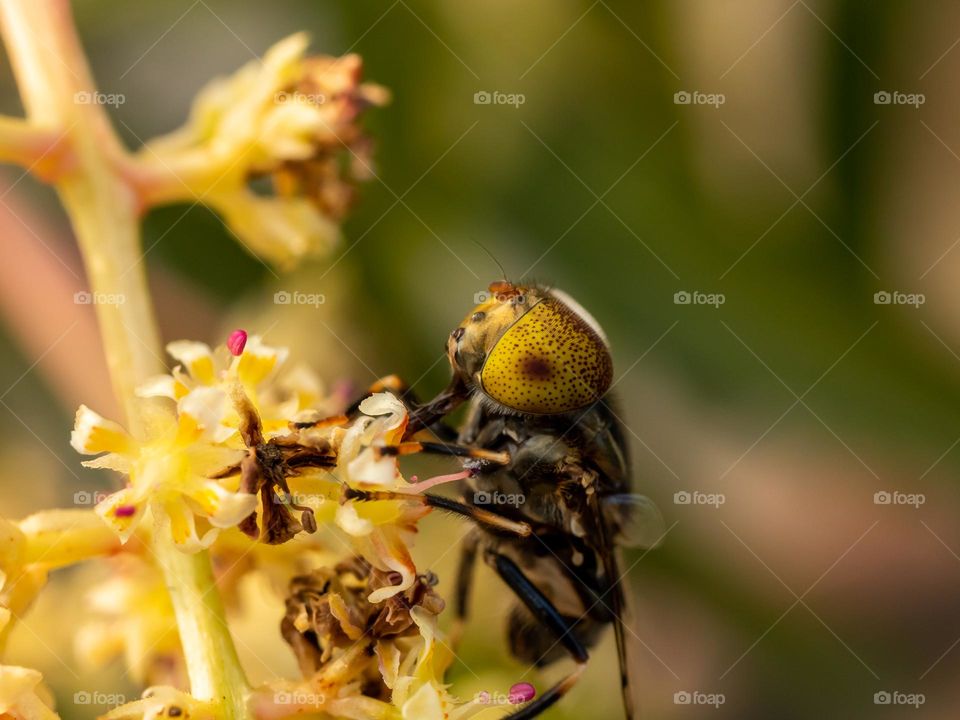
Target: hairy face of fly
(531,350)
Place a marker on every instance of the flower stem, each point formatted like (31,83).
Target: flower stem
(58,93)
(54,80)
(212,662)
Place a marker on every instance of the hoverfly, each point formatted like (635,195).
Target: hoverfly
(536,370)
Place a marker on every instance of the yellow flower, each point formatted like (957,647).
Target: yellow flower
(278,398)
(288,117)
(23,695)
(168,471)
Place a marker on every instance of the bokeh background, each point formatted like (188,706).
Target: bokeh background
(796,196)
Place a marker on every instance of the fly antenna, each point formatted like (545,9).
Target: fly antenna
(503,272)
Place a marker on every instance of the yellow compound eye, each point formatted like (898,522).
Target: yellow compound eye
(549,361)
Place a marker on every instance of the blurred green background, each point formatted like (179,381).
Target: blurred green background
(798,398)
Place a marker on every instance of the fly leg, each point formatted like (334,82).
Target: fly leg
(410,447)
(488,520)
(547,614)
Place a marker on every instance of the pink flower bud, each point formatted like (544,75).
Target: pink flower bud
(236,342)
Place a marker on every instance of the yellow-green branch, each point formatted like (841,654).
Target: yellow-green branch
(54,79)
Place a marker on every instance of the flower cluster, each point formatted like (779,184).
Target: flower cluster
(290,120)
(236,455)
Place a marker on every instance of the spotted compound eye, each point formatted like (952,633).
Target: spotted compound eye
(549,361)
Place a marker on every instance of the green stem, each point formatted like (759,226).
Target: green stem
(56,86)
(212,662)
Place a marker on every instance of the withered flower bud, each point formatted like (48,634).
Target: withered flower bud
(341,152)
(265,470)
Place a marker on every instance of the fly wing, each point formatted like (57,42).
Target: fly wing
(633,521)
(617,602)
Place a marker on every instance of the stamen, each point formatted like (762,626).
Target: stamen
(236,342)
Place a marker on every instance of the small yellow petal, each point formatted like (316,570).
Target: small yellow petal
(206,406)
(258,361)
(181,383)
(196,357)
(425,704)
(122,511)
(281,230)
(183,526)
(158,386)
(391,417)
(110,461)
(16,684)
(93,434)
(222,507)
(188,430)
(351,522)
(393,553)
